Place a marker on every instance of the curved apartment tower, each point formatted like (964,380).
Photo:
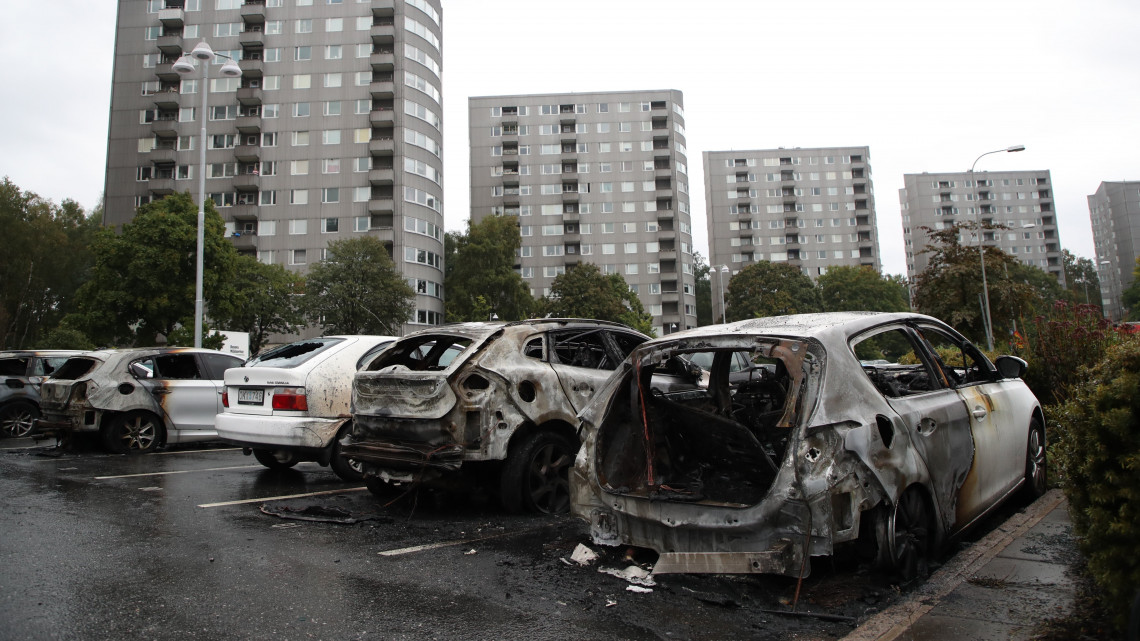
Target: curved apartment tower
(333,130)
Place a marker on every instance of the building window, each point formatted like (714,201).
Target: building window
(331,225)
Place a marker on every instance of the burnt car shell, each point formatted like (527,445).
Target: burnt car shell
(761,476)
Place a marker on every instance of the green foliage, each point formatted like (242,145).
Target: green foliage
(144,278)
(770,289)
(358,290)
(1082,279)
(584,292)
(45,258)
(1096,450)
(1131,295)
(1060,343)
(263,300)
(480,265)
(702,271)
(855,289)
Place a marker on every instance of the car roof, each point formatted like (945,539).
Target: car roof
(17,353)
(483,329)
(105,354)
(825,327)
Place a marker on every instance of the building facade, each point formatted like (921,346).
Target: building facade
(1022,201)
(333,130)
(593,177)
(1115,214)
(811,208)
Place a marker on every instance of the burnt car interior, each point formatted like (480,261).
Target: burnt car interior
(889,360)
(720,445)
(75,368)
(581,349)
(430,353)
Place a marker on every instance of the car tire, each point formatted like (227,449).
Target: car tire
(346,468)
(18,419)
(134,433)
(379,488)
(1036,462)
(535,477)
(906,537)
(276,459)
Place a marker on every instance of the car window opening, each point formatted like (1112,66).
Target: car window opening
(293,354)
(720,444)
(75,368)
(430,353)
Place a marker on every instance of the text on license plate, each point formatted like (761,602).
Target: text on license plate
(251,396)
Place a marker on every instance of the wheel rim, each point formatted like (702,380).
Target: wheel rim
(138,433)
(548,483)
(910,536)
(19,423)
(1035,459)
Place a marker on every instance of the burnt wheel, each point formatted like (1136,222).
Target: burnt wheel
(347,469)
(536,475)
(276,459)
(18,419)
(135,433)
(906,537)
(1036,465)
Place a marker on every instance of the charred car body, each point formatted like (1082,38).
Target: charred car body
(498,399)
(137,399)
(21,373)
(291,404)
(889,430)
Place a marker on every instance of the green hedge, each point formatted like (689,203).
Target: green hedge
(1096,449)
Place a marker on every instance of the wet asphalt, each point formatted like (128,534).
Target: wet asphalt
(176,545)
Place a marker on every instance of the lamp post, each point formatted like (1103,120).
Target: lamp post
(981,245)
(184,66)
(723,275)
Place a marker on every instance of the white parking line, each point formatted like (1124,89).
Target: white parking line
(444,544)
(209,469)
(281,498)
(223,449)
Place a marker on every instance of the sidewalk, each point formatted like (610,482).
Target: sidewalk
(998,589)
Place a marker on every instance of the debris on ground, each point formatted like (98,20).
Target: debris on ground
(319,513)
(634,574)
(638,589)
(583,555)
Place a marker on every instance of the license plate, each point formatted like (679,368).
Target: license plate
(251,396)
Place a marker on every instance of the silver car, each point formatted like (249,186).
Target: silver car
(21,373)
(137,399)
(889,430)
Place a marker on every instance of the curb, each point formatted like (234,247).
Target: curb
(897,619)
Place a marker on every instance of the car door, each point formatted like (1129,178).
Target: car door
(582,359)
(214,366)
(928,408)
(189,399)
(999,444)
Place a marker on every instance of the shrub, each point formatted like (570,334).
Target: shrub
(1096,448)
(1058,345)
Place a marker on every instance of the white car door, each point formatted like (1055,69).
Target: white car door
(188,398)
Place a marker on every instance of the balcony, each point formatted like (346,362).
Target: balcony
(247,182)
(251,68)
(667,254)
(382,176)
(381,206)
(382,117)
(244,241)
(249,96)
(383,8)
(383,88)
(665,215)
(383,61)
(571,218)
(164,128)
(164,156)
(171,18)
(249,124)
(167,99)
(253,12)
(383,34)
(171,45)
(165,71)
(252,39)
(247,153)
(382,146)
(161,186)
(243,212)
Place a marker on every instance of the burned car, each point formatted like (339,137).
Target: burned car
(496,399)
(136,399)
(21,373)
(291,403)
(889,432)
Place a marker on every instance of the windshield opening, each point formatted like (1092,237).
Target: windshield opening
(293,354)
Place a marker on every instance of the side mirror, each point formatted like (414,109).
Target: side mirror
(1011,366)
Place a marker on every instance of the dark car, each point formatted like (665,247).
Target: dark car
(21,373)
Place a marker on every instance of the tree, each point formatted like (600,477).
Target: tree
(1082,279)
(1131,295)
(263,300)
(701,271)
(951,286)
(357,289)
(46,256)
(143,282)
(584,292)
(770,289)
(854,289)
(480,276)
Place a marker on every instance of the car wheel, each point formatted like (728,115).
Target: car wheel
(276,459)
(1036,465)
(18,419)
(347,469)
(378,487)
(906,537)
(536,475)
(133,433)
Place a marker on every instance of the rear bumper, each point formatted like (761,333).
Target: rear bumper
(59,424)
(406,457)
(255,431)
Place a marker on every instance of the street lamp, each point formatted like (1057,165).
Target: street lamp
(184,66)
(723,275)
(981,245)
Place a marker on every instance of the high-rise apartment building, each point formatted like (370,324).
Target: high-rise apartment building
(811,208)
(594,177)
(1115,213)
(1022,201)
(333,130)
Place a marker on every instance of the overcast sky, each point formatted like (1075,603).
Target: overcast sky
(928,86)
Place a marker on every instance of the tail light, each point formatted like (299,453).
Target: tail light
(290,398)
(225,397)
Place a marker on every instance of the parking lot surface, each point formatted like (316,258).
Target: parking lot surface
(203,542)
